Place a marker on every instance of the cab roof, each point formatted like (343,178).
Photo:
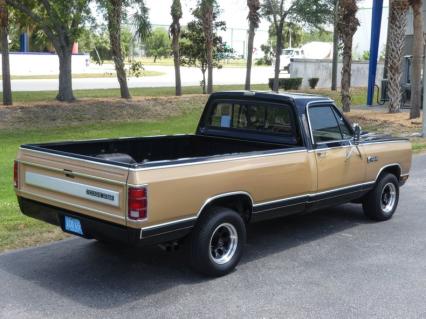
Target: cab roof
(300,100)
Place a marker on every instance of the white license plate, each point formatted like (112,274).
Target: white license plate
(73,225)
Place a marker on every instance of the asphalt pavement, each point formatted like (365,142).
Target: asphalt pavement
(329,264)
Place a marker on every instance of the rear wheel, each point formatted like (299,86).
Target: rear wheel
(380,204)
(217,242)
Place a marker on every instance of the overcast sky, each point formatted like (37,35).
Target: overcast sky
(233,12)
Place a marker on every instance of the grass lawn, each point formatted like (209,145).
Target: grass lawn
(80,75)
(358,94)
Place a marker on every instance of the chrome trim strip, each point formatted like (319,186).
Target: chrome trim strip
(69,204)
(165,225)
(75,158)
(210,199)
(217,160)
(173,165)
(84,191)
(313,194)
(383,142)
(386,166)
(72,173)
(168,223)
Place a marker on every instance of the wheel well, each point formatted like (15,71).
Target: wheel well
(393,169)
(241,203)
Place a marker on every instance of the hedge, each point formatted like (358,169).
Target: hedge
(287,83)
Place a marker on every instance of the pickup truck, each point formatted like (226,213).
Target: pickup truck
(254,156)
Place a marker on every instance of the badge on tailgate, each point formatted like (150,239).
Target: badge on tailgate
(80,190)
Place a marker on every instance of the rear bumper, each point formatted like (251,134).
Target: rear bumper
(92,227)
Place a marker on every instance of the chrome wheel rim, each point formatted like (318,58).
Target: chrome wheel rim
(223,243)
(388,197)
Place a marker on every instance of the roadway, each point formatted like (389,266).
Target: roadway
(190,77)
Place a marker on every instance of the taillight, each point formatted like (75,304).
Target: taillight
(137,203)
(15,174)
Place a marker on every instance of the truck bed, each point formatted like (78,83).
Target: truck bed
(144,150)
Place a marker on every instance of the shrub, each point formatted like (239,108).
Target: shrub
(287,83)
(313,82)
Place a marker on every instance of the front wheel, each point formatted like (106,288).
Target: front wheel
(217,242)
(381,202)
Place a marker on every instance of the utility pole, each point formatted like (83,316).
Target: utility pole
(335,48)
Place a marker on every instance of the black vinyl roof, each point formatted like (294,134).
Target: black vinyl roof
(300,100)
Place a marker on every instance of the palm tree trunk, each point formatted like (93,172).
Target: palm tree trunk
(278,50)
(418,49)
(4,24)
(335,48)
(397,21)
(114,28)
(176,61)
(210,65)
(207,19)
(346,74)
(249,55)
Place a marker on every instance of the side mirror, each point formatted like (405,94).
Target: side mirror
(357,133)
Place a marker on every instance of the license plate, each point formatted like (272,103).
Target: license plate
(73,225)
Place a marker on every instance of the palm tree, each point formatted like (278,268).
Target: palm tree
(418,47)
(397,24)
(206,7)
(115,12)
(347,26)
(254,19)
(176,12)
(4,25)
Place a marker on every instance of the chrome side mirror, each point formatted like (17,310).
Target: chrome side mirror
(357,133)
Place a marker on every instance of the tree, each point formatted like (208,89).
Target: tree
(207,8)
(4,25)
(193,51)
(347,26)
(174,30)
(254,19)
(335,60)
(157,45)
(396,35)
(418,48)
(62,23)
(310,12)
(116,13)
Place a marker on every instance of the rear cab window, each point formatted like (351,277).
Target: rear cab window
(268,121)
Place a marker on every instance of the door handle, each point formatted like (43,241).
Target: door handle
(321,154)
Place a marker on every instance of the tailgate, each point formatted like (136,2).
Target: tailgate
(93,189)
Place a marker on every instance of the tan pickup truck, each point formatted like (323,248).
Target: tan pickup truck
(254,156)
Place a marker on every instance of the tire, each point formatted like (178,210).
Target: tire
(217,242)
(381,202)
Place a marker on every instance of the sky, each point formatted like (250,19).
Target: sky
(234,13)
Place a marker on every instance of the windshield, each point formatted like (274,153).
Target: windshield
(288,52)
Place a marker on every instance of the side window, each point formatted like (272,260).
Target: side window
(324,124)
(344,128)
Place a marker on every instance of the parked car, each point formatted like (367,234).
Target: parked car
(254,156)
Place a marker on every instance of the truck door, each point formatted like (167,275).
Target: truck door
(341,165)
